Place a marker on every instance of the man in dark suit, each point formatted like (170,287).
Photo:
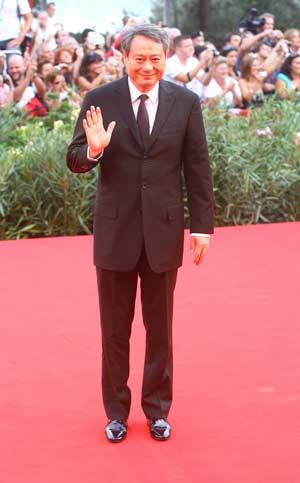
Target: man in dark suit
(146,132)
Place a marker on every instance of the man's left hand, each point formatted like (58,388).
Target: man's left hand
(199,247)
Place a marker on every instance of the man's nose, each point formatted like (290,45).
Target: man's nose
(147,65)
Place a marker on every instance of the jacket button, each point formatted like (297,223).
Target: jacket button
(144,186)
(145,156)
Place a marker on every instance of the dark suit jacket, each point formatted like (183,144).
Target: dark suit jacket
(139,196)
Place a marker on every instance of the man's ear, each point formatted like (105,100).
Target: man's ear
(125,59)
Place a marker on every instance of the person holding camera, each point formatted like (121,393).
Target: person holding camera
(184,69)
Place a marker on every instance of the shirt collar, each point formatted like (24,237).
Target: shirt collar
(135,93)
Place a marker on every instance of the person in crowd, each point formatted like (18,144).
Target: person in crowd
(45,52)
(172,32)
(91,72)
(78,56)
(60,37)
(183,68)
(63,55)
(251,81)
(232,39)
(114,67)
(11,35)
(3,57)
(292,36)
(231,53)
(26,80)
(71,43)
(222,89)
(197,38)
(53,21)
(58,90)
(43,69)
(94,42)
(249,40)
(64,60)
(42,32)
(6,91)
(288,80)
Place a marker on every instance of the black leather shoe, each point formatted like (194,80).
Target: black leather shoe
(116,430)
(160,429)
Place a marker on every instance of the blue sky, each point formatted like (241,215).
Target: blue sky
(85,13)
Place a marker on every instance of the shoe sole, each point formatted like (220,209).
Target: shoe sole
(116,440)
(158,438)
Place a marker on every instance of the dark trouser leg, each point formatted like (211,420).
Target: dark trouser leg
(117,292)
(157,291)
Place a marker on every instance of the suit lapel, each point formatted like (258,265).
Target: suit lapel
(124,105)
(165,102)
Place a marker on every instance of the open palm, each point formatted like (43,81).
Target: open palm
(97,137)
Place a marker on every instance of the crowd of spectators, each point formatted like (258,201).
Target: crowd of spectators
(43,65)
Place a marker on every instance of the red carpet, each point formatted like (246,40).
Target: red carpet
(236,412)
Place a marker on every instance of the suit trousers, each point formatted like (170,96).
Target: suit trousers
(117,294)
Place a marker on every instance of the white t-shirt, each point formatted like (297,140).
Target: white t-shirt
(174,67)
(9,20)
(213,89)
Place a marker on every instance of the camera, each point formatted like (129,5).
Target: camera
(252,22)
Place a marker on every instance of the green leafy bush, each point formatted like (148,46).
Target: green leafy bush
(256,176)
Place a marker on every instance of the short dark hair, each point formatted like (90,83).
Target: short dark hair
(179,39)
(153,32)
(196,34)
(227,49)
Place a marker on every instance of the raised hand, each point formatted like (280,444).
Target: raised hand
(97,137)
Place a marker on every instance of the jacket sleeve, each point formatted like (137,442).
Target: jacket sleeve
(77,160)
(197,173)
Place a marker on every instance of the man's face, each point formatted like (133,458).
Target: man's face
(16,68)
(145,63)
(47,54)
(235,40)
(51,10)
(198,40)
(269,23)
(185,49)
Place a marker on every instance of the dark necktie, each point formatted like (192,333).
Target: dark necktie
(143,120)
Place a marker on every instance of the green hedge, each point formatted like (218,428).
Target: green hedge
(256,176)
